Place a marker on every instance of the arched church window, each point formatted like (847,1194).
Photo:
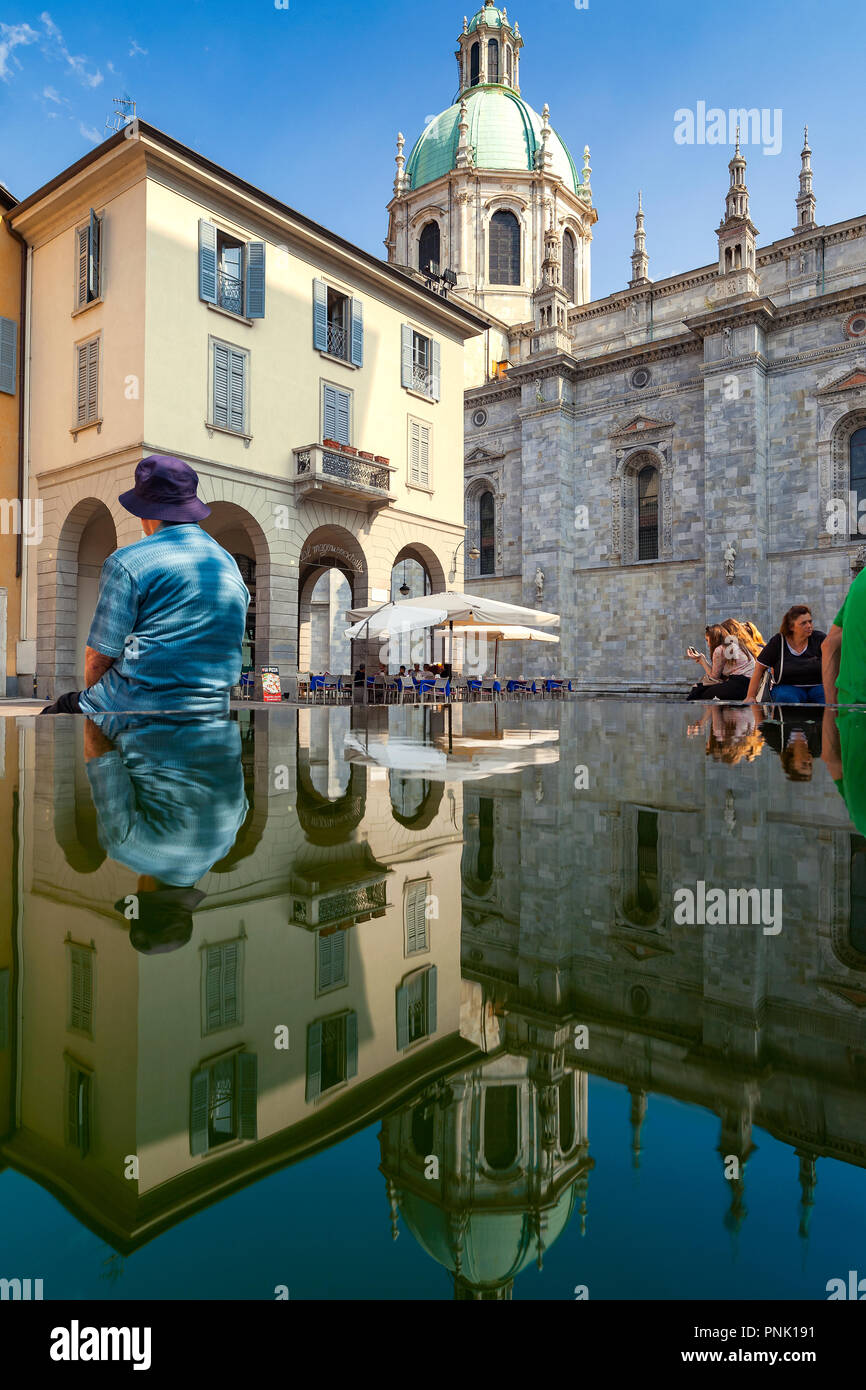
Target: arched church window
(474,64)
(500,1126)
(567,1118)
(484,872)
(429,248)
(504,249)
(569,251)
(648,513)
(642,901)
(486,520)
(857,455)
(509,65)
(493,61)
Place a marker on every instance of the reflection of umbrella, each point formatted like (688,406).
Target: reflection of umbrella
(468,763)
(505,633)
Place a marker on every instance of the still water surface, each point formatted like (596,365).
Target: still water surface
(391,1004)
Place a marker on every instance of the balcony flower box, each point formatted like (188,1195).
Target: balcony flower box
(332,443)
(349,449)
(368,457)
(380,459)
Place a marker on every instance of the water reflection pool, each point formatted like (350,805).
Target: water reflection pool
(393,1003)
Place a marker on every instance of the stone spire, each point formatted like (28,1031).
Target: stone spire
(638,1115)
(585,190)
(808,1183)
(805,198)
(544,156)
(639,257)
(465,153)
(400,178)
(737,232)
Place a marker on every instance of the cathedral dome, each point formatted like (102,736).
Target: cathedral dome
(504,132)
(490,16)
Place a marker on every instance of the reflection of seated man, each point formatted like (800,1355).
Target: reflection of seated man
(844,752)
(797,740)
(169,797)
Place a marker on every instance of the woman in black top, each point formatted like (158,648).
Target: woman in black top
(794,656)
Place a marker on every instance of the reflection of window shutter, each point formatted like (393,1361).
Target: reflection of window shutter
(248,1069)
(207,261)
(351,1046)
(5,979)
(81,967)
(255,295)
(357,333)
(93,257)
(230,983)
(8,347)
(406,356)
(83,256)
(213,1010)
(71,1104)
(314,1061)
(436,371)
(198,1108)
(402,1018)
(432,992)
(416,921)
(332,960)
(320,316)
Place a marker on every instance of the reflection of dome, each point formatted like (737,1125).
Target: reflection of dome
(496,1245)
(504,132)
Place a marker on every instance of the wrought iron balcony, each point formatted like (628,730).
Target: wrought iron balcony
(325,473)
(231,293)
(338,341)
(422,380)
(315,904)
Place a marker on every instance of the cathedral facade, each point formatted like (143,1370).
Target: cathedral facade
(673,454)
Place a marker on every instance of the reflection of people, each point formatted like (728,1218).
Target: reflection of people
(845,649)
(731,735)
(169,798)
(844,752)
(796,739)
(169,624)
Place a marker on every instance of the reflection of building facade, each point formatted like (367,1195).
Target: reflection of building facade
(638,449)
(17,533)
(316,391)
(335,917)
(568,914)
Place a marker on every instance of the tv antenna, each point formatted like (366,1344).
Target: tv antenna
(122,115)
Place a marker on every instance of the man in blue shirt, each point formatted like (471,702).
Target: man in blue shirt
(169,624)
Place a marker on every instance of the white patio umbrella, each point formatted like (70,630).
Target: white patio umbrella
(459,608)
(391,617)
(504,633)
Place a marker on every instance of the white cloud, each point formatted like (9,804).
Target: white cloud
(137,49)
(90,133)
(12,36)
(50,94)
(77,63)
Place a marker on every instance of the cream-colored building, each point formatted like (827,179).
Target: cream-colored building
(18,521)
(317,391)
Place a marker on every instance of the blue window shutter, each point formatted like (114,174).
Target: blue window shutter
(432,992)
(220,385)
(8,348)
(198,1108)
(357,333)
(207,261)
(314,1061)
(436,370)
(320,316)
(255,296)
(93,257)
(351,1046)
(402,1018)
(248,1094)
(343,417)
(83,243)
(329,413)
(238,392)
(406,356)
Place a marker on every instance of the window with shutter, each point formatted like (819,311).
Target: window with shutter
(229,394)
(332,1053)
(88,260)
(198,1112)
(419,453)
(81,989)
(255,288)
(336,414)
(416,1008)
(221,986)
(8,351)
(87,404)
(78,1104)
(332,960)
(416,919)
(207,261)
(248,1094)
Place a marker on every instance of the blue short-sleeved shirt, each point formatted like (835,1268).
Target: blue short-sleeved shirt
(172,612)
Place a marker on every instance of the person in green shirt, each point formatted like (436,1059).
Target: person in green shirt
(844,650)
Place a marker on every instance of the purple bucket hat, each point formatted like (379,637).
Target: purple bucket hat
(165,490)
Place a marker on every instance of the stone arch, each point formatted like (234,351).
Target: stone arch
(487,482)
(517,208)
(241,534)
(66,585)
(328,546)
(624,502)
(834,466)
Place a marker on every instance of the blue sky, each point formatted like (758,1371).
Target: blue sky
(306,102)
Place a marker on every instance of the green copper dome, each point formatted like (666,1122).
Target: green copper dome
(491,16)
(504,132)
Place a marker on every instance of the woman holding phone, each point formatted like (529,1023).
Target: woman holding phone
(728,670)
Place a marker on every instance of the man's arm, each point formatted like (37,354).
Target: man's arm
(95,666)
(831,657)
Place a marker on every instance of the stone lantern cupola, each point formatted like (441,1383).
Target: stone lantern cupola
(737,232)
(489,52)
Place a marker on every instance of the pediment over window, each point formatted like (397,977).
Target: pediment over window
(853,380)
(482,456)
(640,425)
